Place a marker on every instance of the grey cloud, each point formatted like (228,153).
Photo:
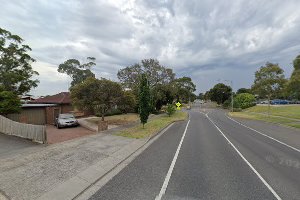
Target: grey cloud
(207,39)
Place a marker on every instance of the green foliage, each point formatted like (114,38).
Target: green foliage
(9,103)
(296,63)
(156,73)
(293,85)
(96,95)
(244,100)
(185,88)
(144,99)
(77,71)
(127,102)
(201,96)
(162,94)
(110,112)
(243,90)
(16,72)
(170,109)
(220,93)
(269,81)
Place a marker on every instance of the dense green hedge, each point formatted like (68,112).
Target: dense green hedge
(244,100)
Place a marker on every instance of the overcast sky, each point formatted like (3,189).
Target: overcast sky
(206,40)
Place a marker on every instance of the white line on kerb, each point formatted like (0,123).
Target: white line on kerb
(264,134)
(248,163)
(166,181)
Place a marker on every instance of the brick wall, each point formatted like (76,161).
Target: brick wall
(50,114)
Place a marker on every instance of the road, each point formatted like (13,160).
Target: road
(211,156)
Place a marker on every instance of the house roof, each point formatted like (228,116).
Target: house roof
(60,98)
(36,105)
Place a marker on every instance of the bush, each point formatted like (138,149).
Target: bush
(170,109)
(244,100)
(227,103)
(110,112)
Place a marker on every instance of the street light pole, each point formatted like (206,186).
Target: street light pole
(231,85)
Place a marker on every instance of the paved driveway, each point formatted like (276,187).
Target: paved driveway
(10,145)
(55,135)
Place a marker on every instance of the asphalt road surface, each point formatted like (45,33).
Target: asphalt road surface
(211,156)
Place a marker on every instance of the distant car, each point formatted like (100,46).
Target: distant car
(65,120)
(264,102)
(279,102)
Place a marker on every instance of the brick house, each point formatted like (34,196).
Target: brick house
(61,103)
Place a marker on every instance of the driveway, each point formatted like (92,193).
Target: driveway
(10,145)
(55,135)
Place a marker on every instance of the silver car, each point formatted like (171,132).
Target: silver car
(65,120)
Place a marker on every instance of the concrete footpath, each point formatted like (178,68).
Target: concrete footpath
(63,170)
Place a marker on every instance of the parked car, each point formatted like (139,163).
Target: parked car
(66,120)
(263,102)
(279,102)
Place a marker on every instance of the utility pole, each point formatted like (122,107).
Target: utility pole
(231,85)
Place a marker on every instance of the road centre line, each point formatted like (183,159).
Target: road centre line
(264,134)
(248,163)
(168,176)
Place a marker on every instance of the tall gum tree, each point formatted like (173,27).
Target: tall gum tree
(16,72)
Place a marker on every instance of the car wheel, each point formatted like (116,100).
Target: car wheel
(58,126)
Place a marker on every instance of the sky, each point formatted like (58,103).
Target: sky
(209,40)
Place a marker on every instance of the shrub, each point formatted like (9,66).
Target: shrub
(244,100)
(170,109)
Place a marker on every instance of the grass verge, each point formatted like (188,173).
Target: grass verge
(117,119)
(290,111)
(153,126)
(282,121)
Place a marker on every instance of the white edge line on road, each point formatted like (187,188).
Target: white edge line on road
(168,176)
(248,163)
(264,134)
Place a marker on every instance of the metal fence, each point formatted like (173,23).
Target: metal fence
(29,131)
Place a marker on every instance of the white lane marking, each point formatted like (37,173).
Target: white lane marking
(264,134)
(167,179)
(248,163)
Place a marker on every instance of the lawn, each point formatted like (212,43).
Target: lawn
(291,112)
(153,126)
(117,119)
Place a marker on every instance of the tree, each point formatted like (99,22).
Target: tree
(269,81)
(243,90)
(220,93)
(184,89)
(96,95)
(207,95)
(244,100)
(16,72)
(9,103)
(162,94)
(77,71)
(156,73)
(144,99)
(127,102)
(201,96)
(293,85)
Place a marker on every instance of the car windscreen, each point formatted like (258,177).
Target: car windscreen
(66,116)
